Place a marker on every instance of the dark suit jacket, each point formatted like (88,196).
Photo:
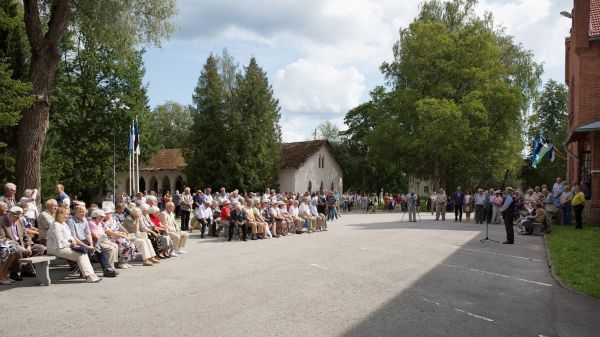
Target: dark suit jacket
(458,198)
(6,232)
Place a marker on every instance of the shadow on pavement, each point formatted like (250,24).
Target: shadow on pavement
(483,289)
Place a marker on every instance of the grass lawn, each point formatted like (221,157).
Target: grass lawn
(576,256)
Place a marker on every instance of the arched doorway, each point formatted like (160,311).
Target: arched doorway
(153,184)
(310,186)
(179,184)
(166,184)
(142,184)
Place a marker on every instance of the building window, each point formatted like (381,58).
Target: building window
(321,161)
(586,166)
(426,189)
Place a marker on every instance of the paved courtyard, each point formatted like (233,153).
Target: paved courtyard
(370,275)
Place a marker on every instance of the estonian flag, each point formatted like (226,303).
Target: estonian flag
(136,142)
(131,139)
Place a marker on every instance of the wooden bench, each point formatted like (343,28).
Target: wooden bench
(41,265)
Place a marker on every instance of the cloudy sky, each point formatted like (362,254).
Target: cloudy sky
(323,56)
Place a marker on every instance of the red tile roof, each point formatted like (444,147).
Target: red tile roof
(594,18)
(167,159)
(293,155)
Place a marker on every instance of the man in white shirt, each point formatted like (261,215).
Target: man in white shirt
(204,214)
(45,219)
(305,214)
(320,217)
(295,214)
(179,237)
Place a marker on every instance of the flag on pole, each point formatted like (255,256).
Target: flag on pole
(131,141)
(541,148)
(136,147)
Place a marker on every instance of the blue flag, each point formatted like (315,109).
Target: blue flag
(131,141)
(136,142)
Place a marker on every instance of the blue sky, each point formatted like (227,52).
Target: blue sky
(322,56)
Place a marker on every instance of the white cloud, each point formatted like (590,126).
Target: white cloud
(323,56)
(313,88)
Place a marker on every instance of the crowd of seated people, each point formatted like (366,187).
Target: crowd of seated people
(111,236)
(144,225)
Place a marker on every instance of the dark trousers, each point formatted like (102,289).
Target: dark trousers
(458,212)
(177,210)
(479,213)
(578,220)
(36,250)
(185,220)
(212,229)
(232,225)
(101,256)
(508,224)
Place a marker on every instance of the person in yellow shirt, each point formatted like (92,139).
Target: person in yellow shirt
(578,203)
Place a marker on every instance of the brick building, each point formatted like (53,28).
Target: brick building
(582,75)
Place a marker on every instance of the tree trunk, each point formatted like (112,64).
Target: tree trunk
(45,57)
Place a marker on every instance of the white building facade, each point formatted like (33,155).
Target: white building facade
(309,166)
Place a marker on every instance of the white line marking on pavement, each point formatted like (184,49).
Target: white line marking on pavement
(496,274)
(516,257)
(318,266)
(460,310)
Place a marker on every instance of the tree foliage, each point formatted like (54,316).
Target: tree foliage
(119,26)
(85,119)
(172,124)
(235,140)
(456,97)
(549,119)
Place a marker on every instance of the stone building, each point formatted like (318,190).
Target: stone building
(309,166)
(582,75)
(306,166)
(161,174)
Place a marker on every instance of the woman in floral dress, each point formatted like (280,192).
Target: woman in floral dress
(119,235)
(7,255)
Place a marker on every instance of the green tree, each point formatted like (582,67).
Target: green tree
(172,124)
(329,131)
(549,119)
(457,95)
(118,25)
(85,119)
(259,148)
(206,162)
(14,91)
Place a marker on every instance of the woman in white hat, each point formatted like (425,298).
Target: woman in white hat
(119,235)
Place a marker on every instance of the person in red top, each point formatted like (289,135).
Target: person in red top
(224,216)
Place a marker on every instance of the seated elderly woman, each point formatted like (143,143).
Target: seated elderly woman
(62,244)
(101,240)
(119,235)
(166,244)
(8,254)
(287,219)
(28,223)
(140,239)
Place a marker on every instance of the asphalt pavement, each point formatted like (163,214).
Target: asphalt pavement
(369,275)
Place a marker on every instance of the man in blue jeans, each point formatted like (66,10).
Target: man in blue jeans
(458,198)
(331,202)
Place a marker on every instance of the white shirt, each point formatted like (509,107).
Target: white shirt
(204,212)
(303,209)
(294,211)
(58,237)
(32,210)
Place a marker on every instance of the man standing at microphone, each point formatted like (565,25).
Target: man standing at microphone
(508,213)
